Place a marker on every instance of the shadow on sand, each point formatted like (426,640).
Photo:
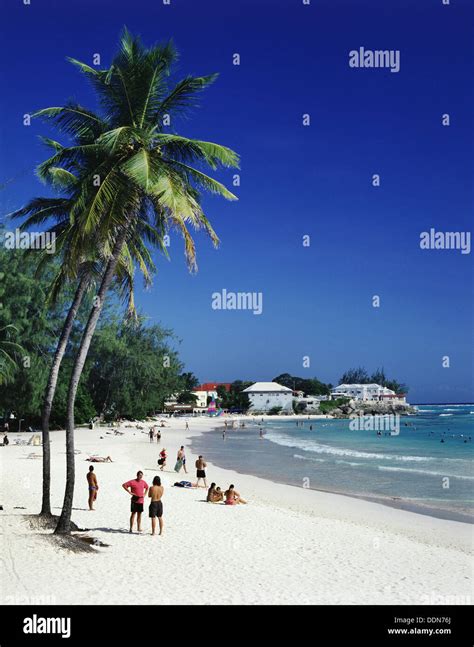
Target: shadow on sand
(120,531)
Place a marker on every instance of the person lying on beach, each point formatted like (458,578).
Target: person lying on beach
(232,497)
(156,506)
(93,487)
(185,484)
(99,459)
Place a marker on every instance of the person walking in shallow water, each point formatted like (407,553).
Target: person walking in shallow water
(156,506)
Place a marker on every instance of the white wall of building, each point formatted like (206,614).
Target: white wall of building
(370,392)
(265,401)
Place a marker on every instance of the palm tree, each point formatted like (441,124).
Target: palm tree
(8,349)
(83,273)
(145,174)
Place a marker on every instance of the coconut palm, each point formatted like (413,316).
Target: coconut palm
(84,277)
(139,172)
(8,350)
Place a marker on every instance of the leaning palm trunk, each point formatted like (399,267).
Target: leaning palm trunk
(51,389)
(64,523)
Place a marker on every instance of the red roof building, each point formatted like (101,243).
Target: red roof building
(212,386)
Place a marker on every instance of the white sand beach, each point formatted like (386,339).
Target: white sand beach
(289,545)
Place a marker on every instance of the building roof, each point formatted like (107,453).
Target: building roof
(212,386)
(266,387)
(362,386)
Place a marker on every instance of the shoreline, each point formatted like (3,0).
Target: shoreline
(352,551)
(397,503)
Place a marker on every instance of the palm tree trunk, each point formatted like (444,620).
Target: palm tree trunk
(51,389)
(64,523)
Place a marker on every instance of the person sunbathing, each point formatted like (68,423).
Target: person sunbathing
(99,459)
(218,495)
(232,497)
(214,494)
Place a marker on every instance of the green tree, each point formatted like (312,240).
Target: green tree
(132,369)
(8,351)
(309,386)
(146,171)
(355,376)
(186,397)
(190,381)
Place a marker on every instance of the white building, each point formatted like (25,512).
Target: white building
(310,402)
(370,392)
(264,396)
(207,391)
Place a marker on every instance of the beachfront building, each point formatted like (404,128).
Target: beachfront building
(206,391)
(310,403)
(174,407)
(265,396)
(367,392)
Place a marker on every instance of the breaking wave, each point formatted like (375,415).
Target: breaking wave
(317,448)
(430,473)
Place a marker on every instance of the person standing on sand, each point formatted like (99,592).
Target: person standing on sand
(93,487)
(201,471)
(187,426)
(151,433)
(180,460)
(137,488)
(158,436)
(156,506)
(183,457)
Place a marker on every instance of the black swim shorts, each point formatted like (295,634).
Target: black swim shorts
(155,509)
(136,507)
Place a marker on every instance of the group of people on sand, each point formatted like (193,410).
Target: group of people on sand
(229,497)
(138,489)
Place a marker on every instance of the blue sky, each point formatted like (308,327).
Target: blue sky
(295,180)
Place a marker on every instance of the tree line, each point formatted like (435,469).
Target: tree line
(131,370)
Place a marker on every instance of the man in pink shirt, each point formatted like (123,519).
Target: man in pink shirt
(138,489)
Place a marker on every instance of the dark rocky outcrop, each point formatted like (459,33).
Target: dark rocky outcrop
(358,408)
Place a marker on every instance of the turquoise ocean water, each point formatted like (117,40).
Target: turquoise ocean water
(412,470)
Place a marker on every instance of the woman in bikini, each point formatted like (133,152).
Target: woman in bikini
(156,506)
(232,497)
